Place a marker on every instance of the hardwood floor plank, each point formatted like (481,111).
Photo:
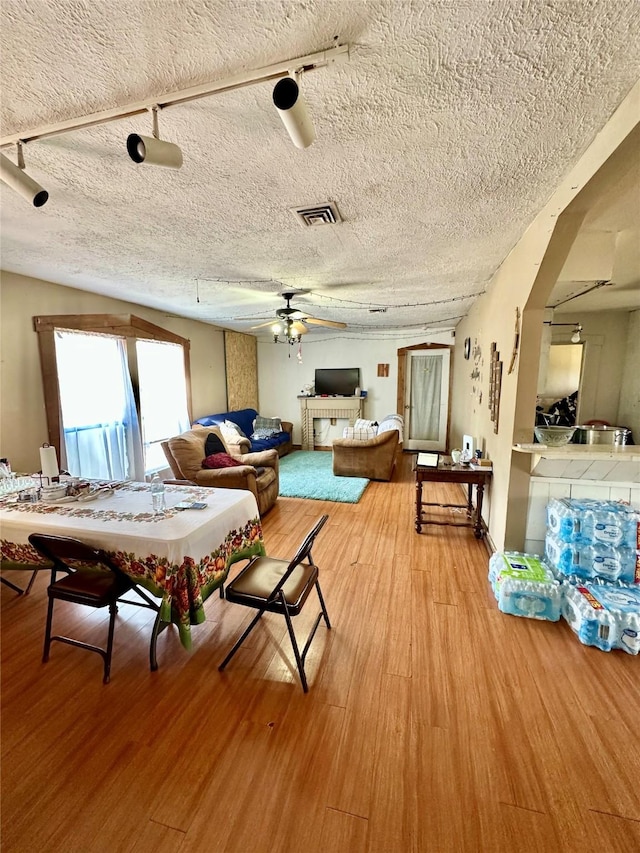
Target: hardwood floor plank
(393,813)
(342,832)
(156,837)
(397,644)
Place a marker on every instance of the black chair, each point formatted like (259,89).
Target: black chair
(22,567)
(277,586)
(90,579)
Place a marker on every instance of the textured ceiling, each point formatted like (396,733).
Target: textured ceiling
(439,140)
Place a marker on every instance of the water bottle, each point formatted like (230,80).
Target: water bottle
(157,493)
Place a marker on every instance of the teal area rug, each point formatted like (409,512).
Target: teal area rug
(308,474)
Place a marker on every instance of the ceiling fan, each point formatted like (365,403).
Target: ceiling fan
(292,320)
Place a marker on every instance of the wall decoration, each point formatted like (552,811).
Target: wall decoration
(476,373)
(495,385)
(467,348)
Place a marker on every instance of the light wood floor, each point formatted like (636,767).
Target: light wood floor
(433,722)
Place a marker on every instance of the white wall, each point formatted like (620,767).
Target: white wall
(281,378)
(23,425)
(629,408)
(605,354)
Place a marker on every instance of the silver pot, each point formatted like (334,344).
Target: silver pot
(612,435)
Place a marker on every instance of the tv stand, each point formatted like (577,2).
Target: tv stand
(327,407)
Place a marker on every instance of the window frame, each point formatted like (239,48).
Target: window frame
(126,326)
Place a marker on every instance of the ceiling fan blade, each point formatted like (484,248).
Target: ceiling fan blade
(332,324)
(262,325)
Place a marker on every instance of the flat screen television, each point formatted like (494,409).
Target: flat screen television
(341,381)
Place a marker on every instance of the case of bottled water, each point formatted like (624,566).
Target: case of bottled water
(604,615)
(594,521)
(598,560)
(525,586)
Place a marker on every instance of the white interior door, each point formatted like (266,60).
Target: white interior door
(426,403)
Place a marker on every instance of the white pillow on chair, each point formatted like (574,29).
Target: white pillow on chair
(359,433)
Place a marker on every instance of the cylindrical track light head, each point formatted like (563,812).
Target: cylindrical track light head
(293,112)
(18,180)
(157,152)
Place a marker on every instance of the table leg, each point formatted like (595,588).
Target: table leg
(158,627)
(469,500)
(478,525)
(418,522)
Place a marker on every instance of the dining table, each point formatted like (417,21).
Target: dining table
(179,555)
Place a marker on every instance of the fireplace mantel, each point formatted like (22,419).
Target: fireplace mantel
(327,407)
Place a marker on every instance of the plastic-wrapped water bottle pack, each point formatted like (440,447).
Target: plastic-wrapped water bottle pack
(594,522)
(525,586)
(603,614)
(597,560)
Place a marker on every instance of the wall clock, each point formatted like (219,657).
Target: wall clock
(467,347)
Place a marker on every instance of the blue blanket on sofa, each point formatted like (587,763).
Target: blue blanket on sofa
(244,419)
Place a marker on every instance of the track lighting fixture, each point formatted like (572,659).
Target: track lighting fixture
(153,150)
(16,178)
(577,330)
(293,112)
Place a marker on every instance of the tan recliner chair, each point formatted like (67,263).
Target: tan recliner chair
(259,472)
(373,458)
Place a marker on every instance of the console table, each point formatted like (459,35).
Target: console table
(447,472)
(326,407)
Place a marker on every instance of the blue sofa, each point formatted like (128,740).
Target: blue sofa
(244,418)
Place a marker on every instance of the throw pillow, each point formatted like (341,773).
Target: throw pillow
(273,424)
(361,434)
(265,433)
(230,435)
(213,444)
(231,426)
(220,460)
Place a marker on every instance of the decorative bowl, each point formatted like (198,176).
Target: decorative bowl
(554,436)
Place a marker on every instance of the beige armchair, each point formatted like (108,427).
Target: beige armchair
(259,472)
(373,458)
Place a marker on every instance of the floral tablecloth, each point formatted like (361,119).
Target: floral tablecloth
(179,556)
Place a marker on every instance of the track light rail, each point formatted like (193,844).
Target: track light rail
(299,65)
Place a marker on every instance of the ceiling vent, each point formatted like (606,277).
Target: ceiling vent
(317,214)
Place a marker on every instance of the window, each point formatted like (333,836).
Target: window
(115,386)
(163,398)
(100,433)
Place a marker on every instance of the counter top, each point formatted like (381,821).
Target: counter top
(586,452)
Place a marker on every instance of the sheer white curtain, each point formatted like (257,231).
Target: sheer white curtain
(100,429)
(163,397)
(426,388)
